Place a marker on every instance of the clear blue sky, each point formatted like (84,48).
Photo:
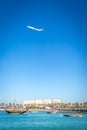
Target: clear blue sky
(43,65)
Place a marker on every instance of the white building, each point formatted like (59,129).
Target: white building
(39,102)
(56,101)
(47,101)
(30,102)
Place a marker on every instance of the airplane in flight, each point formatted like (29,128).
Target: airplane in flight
(36,29)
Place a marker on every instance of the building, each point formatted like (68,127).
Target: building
(31,102)
(56,101)
(47,101)
(40,102)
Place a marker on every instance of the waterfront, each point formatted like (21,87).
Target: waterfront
(41,121)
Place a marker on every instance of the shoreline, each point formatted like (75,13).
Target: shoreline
(60,110)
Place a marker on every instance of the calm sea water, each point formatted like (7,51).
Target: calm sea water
(41,121)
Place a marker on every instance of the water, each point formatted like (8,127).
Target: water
(41,121)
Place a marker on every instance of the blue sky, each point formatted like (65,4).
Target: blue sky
(43,65)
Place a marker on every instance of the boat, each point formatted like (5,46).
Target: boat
(33,110)
(73,115)
(16,111)
(52,112)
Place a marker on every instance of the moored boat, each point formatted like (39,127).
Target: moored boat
(33,110)
(52,112)
(16,111)
(73,115)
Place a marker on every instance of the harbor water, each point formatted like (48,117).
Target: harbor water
(41,121)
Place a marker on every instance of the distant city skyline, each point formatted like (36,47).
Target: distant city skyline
(49,64)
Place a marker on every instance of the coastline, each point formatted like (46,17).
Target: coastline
(33,110)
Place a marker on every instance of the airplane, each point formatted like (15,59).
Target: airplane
(36,29)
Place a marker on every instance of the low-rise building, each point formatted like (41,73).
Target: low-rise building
(56,101)
(30,102)
(40,102)
(47,101)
